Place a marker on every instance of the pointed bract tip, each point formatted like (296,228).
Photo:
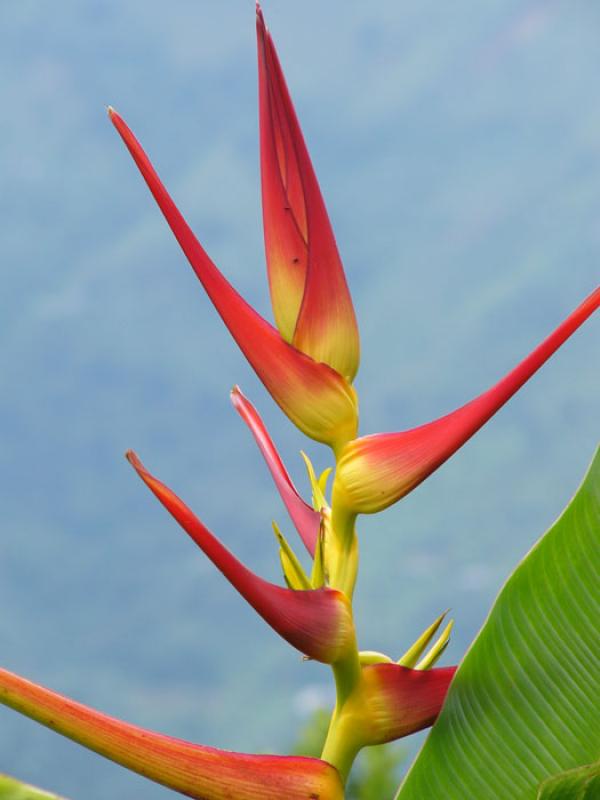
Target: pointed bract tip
(135,462)
(236,396)
(110,111)
(133,459)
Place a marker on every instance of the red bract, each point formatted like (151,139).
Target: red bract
(376,471)
(388,702)
(318,622)
(305,518)
(401,700)
(310,297)
(204,773)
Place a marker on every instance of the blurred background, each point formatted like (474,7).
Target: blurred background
(458,149)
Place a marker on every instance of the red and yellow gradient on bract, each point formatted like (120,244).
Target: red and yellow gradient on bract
(401,700)
(309,293)
(376,471)
(204,773)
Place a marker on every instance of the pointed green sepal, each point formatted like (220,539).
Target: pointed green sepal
(437,649)
(415,651)
(293,571)
(318,492)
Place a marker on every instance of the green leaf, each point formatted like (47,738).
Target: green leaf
(525,702)
(11,789)
(582,783)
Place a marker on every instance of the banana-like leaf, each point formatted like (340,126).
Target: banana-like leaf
(524,704)
(582,783)
(11,789)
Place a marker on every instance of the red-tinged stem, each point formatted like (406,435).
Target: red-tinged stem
(196,771)
(305,518)
(317,622)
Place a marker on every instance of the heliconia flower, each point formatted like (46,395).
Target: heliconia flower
(204,773)
(310,297)
(402,700)
(305,518)
(376,471)
(318,622)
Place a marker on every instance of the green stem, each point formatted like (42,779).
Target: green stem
(340,749)
(343,551)
(343,744)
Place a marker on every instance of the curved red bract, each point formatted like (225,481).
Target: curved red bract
(200,772)
(304,517)
(376,471)
(318,622)
(402,700)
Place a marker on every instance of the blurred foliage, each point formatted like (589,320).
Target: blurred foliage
(11,789)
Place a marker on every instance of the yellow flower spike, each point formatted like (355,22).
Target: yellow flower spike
(437,649)
(293,571)
(318,493)
(414,652)
(339,545)
(323,478)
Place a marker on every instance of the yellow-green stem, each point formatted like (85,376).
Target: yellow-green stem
(343,744)
(343,551)
(344,737)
